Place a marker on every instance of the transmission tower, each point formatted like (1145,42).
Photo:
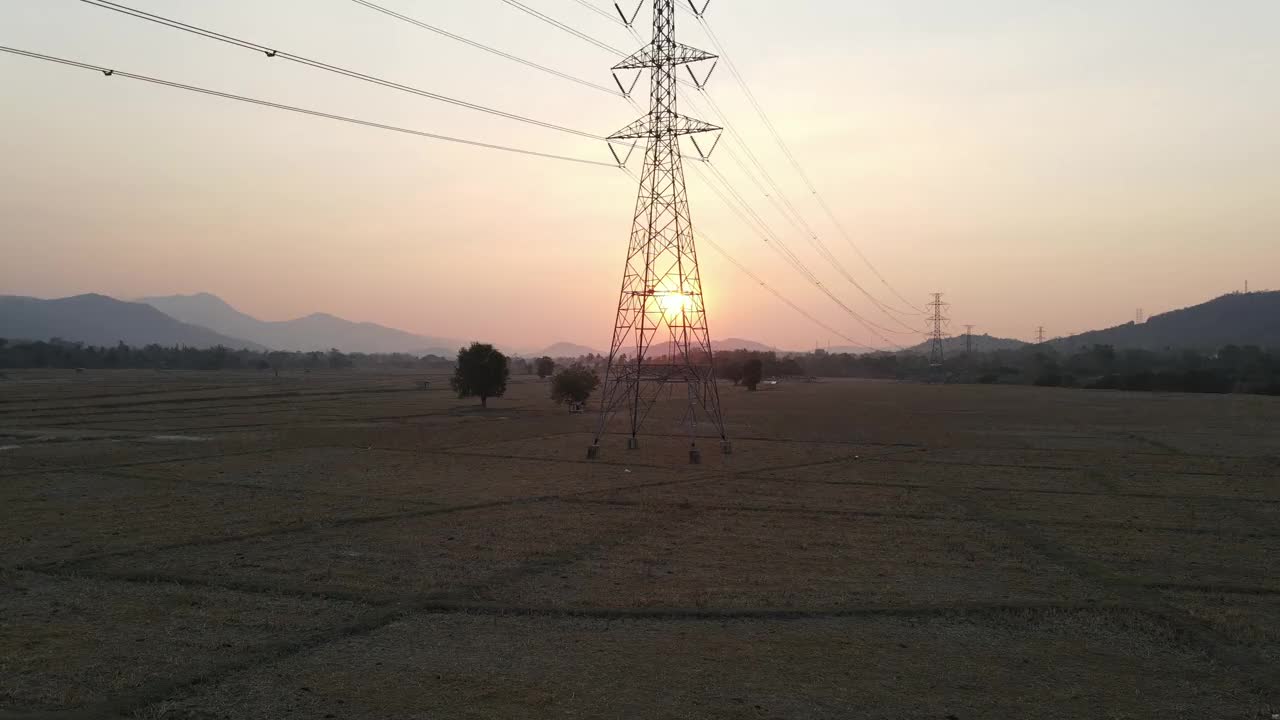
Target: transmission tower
(937,330)
(1040,335)
(661,320)
(1141,317)
(968,339)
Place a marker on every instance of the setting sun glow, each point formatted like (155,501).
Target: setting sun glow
(674,303)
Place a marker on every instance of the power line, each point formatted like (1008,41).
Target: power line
(274,53)
(601,12)
(795,261)
(264,103)
(111,72)
(786,150)
(793,216)
(271,52)
(566,28)
(702,238)
(746,214)
(768,234)
(486,48)
(790,212)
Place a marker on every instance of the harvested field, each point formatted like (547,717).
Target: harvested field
(347,545)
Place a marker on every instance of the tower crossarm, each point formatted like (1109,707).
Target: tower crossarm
(679,125)
(662,54)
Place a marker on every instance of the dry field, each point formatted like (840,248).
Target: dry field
(345,545)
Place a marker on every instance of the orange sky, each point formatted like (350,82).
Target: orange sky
(1040,164)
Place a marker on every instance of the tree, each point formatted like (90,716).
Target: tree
(544,366)
(520,366)
(574,384)
(790,367)
(481,372)
(732,371)
(752,373)
(338,360)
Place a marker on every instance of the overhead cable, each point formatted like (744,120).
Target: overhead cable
(276,53)
(795,163)
(111,72)
(486,48)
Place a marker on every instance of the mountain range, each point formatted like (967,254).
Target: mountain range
(959,343)
(739,344)
(318,331)
(205,320)
(100,320)
(565,350)
(1236,319)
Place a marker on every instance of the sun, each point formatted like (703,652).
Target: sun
(673,304)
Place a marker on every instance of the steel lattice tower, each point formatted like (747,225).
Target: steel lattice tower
(660,336)
(937,330)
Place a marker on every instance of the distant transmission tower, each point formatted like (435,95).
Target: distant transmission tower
(1040,335)
(937,330)
(661,320)
(968,339)
(1141,317)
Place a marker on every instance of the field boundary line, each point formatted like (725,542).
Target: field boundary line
(1060,468)
(256,396)
(1205,635)
(994,488)
(138,463)
(833,512)
(409,500)
(393,612)
(340,522)
(1211,588)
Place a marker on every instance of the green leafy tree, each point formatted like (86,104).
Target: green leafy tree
(544,366)
(574,385)
(752,373)
(481,372)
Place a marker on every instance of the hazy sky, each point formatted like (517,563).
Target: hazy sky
(1042,162)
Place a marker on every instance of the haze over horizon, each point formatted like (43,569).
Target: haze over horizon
(1040,164)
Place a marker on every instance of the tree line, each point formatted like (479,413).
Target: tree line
(62,354)
(1233,368)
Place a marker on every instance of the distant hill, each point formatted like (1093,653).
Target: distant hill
(318,331)
(849,350)
(100,320)
(1238,318)
(739,344)
(566,350)
(957,344)
(573,350)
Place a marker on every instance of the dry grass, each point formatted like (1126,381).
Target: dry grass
(1044,665)
(71,641)
(186,545)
